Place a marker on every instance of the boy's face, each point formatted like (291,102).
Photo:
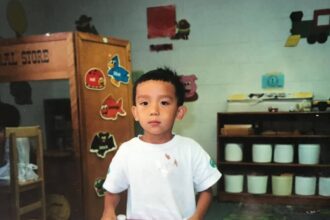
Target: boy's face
(156,110)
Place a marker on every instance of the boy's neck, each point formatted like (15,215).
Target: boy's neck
(154,139)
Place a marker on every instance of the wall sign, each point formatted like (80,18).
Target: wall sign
(24,57)
(47,56)
(273,80)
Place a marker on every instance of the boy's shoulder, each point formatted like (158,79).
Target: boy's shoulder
(186,140)
(130,142)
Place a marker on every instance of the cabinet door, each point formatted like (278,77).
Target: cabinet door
(93,55)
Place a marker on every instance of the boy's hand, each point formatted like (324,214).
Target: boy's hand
(203,202)
(195,217)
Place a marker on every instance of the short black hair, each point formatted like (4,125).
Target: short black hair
(163,74)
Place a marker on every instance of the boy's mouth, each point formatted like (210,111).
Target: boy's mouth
(154,123)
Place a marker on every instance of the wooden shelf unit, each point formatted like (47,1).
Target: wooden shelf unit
(274,128)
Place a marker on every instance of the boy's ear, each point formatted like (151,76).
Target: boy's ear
(134,112)
(181,112)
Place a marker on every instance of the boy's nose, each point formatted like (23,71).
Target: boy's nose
(154,113)
(154,110)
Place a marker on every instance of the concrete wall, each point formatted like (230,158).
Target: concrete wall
(232,44)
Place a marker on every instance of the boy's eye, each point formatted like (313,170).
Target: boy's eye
(165,103)
(143,103)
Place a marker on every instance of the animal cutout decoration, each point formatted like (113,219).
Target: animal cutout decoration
(183,30)
(98,186)
(117,73)
(103,142)
(316,30)
(190,86)
(95,79)
(111,108)
(84,25)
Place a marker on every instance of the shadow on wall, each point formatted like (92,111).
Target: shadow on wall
(137,128)
(188,121)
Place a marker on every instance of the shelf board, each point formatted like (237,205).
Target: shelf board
(244,164)
(293,136)
(254,114)
(269,198)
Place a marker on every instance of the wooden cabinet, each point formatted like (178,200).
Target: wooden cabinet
(98,52)
(292,128)
(85,61)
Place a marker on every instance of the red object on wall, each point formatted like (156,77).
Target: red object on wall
(161,21)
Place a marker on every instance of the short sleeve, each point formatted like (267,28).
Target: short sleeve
(205,172)
(116,180)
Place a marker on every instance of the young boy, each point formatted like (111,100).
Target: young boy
(161,170)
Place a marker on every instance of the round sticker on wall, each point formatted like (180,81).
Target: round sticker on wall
(95,79)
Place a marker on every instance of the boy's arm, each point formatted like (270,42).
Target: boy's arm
(111,201)
(203,203)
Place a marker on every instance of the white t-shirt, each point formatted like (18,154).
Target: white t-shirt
(161,179)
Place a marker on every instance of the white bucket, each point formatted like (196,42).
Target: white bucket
(308,153)
(233,152)
(305,185)
(283,153)
(282,184)
(257,184)
(324,186)
(262,153)
(234,183)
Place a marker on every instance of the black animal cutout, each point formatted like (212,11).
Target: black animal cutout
(84,25)
(183,31)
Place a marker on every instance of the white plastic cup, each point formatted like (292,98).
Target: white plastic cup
(261,153)
(305,185)
(233,152)
(283,153)
(234,183)
(324,186)
(257,184)
(309,153)
(282,184)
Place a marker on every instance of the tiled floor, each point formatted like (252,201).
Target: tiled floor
(239,211)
